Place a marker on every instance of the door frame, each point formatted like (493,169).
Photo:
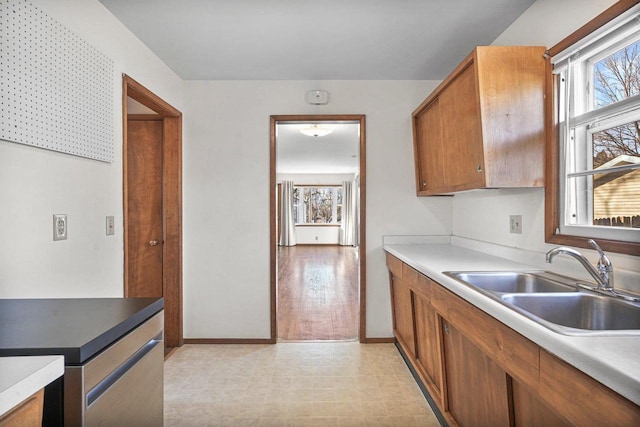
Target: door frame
(171,201)
(273,241)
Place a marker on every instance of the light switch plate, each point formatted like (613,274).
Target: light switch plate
(515,224)
(59,227)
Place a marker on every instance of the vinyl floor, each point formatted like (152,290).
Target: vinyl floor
(292,384)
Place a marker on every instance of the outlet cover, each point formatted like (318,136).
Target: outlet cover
(111,229)
(59,227)
(515,224)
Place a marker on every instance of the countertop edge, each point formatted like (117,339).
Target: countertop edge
(31,373)
(609,360)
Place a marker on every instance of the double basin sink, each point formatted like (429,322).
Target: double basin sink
(556,302)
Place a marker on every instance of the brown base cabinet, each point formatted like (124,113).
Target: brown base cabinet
(480,372)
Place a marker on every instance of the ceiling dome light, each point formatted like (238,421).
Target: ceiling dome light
(316,130)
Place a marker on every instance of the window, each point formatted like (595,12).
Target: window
(317,205)
(598,115)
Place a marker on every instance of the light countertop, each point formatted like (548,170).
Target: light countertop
(611,360)
(22,376)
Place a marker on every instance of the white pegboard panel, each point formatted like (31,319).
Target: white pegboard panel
(56,91)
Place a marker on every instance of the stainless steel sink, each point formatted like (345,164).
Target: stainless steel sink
(514,282)
(555,301)
(578,312)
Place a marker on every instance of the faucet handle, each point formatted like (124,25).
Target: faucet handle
(604,260)
(604,265)
(596,246)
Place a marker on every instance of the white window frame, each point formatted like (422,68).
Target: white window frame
(301,208)
(579,120)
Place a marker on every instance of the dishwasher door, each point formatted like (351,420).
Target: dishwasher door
(123,385)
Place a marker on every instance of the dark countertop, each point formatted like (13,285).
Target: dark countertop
(78,329)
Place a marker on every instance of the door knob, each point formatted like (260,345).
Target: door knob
(154,243)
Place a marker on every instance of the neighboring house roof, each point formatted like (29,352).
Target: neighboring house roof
(620,161)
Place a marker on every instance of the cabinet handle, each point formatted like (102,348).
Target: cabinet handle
(446,328)
(154,243)
(479,168)
(424,183)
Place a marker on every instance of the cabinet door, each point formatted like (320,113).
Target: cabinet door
(530,411)
(429,149)
(403,313)
(477,393)
(461,132)
(427,343)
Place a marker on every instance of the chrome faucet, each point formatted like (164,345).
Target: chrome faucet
(602,273)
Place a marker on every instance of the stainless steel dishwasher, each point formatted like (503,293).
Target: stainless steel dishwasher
(123,385)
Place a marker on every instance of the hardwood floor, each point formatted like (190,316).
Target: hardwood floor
(317,293)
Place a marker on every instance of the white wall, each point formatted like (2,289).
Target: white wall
(35,183)
(226,194)
(484,215)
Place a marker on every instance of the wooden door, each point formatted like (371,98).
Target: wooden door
(144,208)
(477,392)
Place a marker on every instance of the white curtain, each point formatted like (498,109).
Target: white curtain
(349,225)
(287,222)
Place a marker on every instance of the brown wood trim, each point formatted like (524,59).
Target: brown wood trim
(149,99)
(612,12)
(272,210)
(552,156)
(172,195)
(146,117)
(168,352)
(229,341)
(363,229)
(389,340)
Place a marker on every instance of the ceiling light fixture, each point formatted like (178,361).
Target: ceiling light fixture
(316,130)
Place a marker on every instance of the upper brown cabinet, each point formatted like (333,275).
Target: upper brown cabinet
(483,126)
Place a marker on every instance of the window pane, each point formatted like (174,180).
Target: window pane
(617,77)
(610,144)
(616,199)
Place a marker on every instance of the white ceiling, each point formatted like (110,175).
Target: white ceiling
(334,153)
(315,39)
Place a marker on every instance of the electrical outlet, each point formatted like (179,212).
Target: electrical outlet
(59,227)
(515,224)
(111,229)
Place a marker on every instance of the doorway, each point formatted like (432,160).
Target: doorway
(304,259)
(152,198)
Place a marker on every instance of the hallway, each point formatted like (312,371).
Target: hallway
(318,293)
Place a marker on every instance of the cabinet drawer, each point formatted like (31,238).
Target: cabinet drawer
(419,282)
(394,265)
(514,353)
(584,401)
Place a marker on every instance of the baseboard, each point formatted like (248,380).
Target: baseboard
(229,341)
(379,340)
